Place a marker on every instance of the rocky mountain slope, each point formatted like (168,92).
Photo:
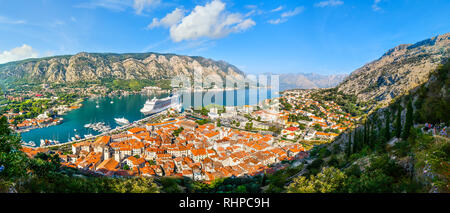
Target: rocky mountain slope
(398,70)
(309,81)
(95,66)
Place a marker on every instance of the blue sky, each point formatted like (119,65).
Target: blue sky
(298,36)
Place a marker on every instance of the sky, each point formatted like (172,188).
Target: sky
(257,36)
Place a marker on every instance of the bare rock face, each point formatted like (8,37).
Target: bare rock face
(398,70)
(94,66)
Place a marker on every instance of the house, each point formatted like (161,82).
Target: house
(107,165)
(134,162)
(213,113)
(189,125)
(136,130)
(199,154)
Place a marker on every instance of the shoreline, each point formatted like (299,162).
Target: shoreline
(119,128)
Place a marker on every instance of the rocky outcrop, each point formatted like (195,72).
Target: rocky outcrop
(399,70)
(95,66)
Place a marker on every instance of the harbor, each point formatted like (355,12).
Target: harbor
(97,116)
(101,115)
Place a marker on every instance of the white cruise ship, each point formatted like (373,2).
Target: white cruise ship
(157,105)
(122,121)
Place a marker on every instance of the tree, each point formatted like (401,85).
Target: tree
(398,122)
(327,181)
(135,185)
(14,161)
(408,121)
(126,167)
(349,145)
(317,127)
(387,132)
(249,126)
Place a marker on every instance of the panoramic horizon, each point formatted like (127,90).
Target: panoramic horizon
(225,104)
(312,36)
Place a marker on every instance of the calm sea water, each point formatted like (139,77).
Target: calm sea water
(128,107)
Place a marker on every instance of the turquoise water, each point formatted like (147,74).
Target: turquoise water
(128,107)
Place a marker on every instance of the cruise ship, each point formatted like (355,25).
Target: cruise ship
(157,105)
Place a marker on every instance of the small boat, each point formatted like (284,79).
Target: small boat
(77,137)
(73,138)
(111,102)
(97,106)
(88,135)
(122,121)
(74,130)
(87,125)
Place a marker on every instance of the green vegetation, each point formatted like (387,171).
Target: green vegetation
(204,121)
(177,131)
(327,181)
(348,103)
(432,104)
(409,120)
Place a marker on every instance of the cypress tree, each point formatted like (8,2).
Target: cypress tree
(387,132)
(408,121)
(354,141)
(379,133)
(357,143)
(368,132)
(365,134)
(373,135)
(349,144)
(398,122)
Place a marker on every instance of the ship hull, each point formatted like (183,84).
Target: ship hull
(161,106)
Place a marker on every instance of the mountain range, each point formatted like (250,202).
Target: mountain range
(398,71)
(309,81)
(95,66)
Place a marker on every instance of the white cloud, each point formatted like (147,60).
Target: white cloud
(251,6)
(375,6)
(6,20)
(329,3)
(247,23)
(140,5)
(277,21)
(18,53)
(116,5)
(210,21)
(169,20)
(277,9)
(284,16)
(294,12)
(119,5)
